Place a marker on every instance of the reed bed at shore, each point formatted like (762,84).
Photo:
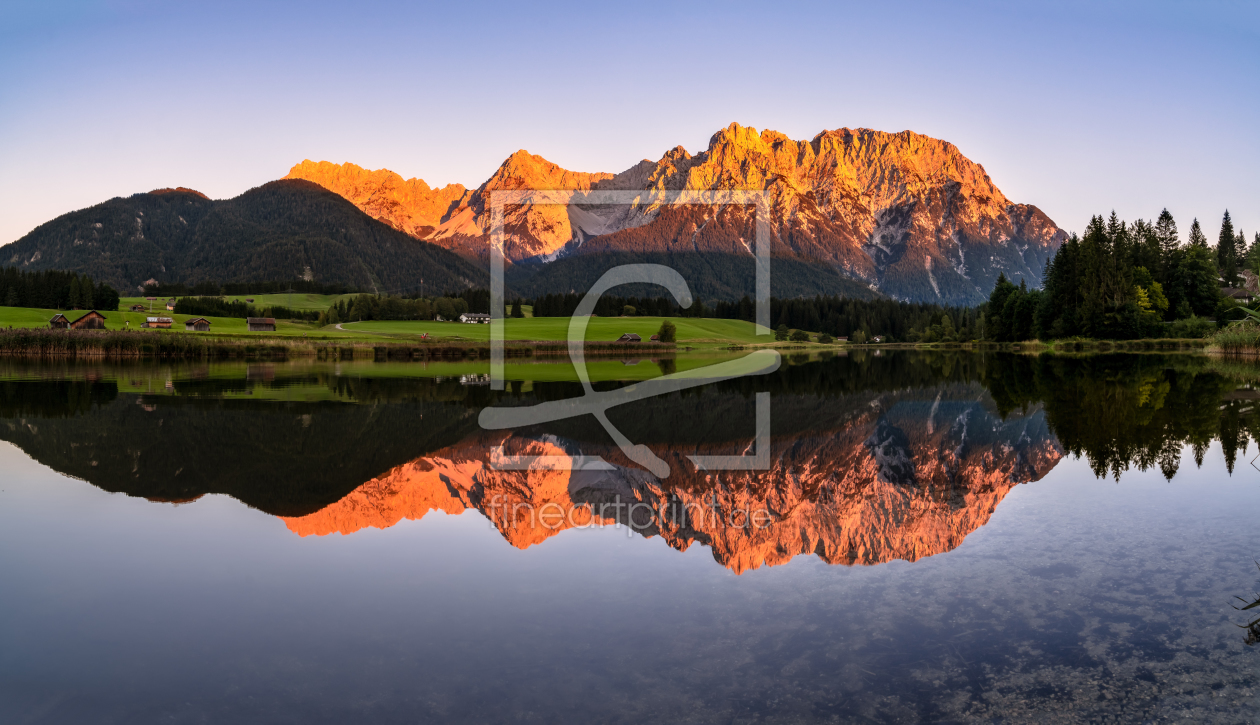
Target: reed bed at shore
(1239,339)
(121,344)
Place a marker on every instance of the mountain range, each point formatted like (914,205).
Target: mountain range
(854,211)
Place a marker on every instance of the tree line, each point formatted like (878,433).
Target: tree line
(1125,281)
(220,307)
(54,290)
(387,307)
(217,289)
(834,316)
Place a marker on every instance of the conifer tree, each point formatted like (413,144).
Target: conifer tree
(74,302)
(1147,250)
(1166,231)
(86,294)
(1227,251)
(1196,234)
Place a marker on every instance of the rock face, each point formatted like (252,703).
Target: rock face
(900,478)
(904,214)
(407,205)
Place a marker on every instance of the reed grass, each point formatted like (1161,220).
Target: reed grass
(1242,338)
(122,344)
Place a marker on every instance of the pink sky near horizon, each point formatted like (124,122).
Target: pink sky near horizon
(1078,108)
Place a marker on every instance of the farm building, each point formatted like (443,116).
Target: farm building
(261,324)
(91,321)
(197,324)
(59,322)
(137,308)
(656,338)
(170,305)
(162,323)
(474,318)
(629,337)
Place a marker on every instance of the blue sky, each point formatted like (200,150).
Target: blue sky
(1077,107)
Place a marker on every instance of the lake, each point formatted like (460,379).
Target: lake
(933,536)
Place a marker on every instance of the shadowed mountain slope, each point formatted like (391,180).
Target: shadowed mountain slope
(283,230)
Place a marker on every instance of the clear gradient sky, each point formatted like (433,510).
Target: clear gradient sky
(1077,107)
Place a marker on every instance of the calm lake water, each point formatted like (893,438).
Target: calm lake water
(938,537)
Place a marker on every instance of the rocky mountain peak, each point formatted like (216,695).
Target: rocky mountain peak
(408,205)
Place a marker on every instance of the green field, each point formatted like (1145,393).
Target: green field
(702,333)
(219,326)
(699,331)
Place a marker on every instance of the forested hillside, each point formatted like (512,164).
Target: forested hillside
(283,230)
(710,276)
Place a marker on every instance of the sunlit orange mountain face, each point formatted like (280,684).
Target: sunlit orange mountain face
(863,211)
(885,476)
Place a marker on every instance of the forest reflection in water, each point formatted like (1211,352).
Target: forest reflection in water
(873,457)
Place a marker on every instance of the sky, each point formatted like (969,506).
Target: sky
(1077,107)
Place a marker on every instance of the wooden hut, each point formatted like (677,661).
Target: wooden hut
(137,308)
(91,321)
(159,323)
(59,322)
(629,337)
(197,324)
(261,324)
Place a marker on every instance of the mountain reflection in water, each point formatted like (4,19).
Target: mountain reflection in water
(873,458)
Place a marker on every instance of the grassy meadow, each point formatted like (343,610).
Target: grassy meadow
(696,333)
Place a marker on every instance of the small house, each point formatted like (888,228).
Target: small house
(261,324)
(1238,294)
(250,300)
(629,337)
(157,323)
(197,324)
(170,305)
(474,318)
(137,308)
(59,322)
(656,338)
(91,321)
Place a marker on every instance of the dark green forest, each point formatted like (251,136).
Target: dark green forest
(709,275)
(1125,281)
(836,316)
(54,290)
